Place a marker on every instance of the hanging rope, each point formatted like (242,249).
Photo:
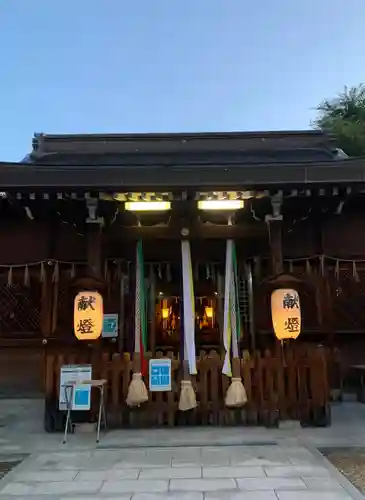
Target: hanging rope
(326,257)
(209,271)
(256,260)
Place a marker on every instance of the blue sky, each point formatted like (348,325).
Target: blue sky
(171,65)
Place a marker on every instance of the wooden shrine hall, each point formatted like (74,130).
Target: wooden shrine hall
(112,213)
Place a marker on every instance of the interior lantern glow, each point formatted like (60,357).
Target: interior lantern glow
(209,312)
(147,206)
(88,315)
(165,312)
(285,313)
(220,204)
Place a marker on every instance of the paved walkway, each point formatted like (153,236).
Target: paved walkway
(190,473)
(180,464)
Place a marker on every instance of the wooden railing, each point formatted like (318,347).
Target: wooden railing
(280,385)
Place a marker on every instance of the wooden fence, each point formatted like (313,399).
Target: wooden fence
(280,385)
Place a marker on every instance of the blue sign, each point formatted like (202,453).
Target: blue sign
(81,397)
(72,386)
(160,374)
(110,326)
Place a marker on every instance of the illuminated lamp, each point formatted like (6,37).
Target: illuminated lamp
(209,312)
(285,313)
(147,206)
(88,315)
(165,313)
(220,204)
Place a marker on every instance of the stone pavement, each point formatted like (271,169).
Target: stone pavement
(182,464)
(252,472)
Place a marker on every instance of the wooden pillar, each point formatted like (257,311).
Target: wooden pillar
(327,310)
(94,260)
(48,319)
(251,305)
(220,310)
(47,323)
(46,316)
(121,336)
(152,311)
(323,290)
(274,223)
(276,246)
(94,248)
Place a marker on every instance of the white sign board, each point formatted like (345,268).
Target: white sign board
(81,394)
(160,375)
(110,326)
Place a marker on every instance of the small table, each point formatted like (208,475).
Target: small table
(98,384)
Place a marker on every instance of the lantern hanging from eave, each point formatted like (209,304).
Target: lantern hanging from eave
(88,315)
(285,313)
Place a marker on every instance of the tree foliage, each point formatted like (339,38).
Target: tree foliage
(344,116)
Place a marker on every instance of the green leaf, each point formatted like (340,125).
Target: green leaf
(344,117)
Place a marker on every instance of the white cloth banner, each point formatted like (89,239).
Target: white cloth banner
(227,324)
(233,313)
(137,306)
(188,307)
(231,309)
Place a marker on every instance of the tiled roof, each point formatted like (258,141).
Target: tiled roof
(165,149)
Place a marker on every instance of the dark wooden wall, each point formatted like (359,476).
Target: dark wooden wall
(21,350)
(33,241)
(341,237)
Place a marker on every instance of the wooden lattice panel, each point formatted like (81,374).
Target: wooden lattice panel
(19,308)
(348,298)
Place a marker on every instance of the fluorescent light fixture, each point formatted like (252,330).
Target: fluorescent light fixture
(147,206)
(220,204)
